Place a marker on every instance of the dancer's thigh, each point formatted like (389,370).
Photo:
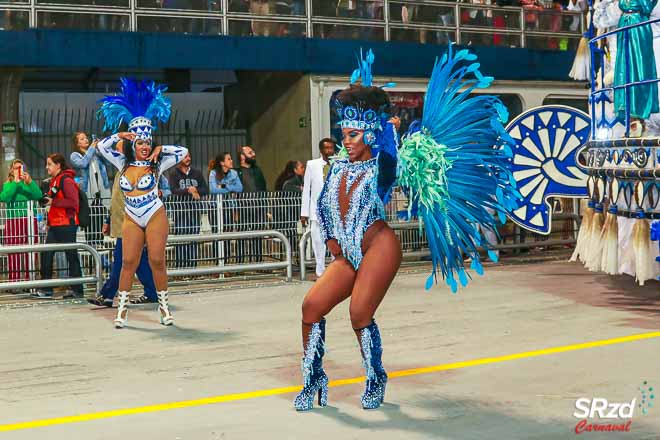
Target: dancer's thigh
(132,244)
(156,235)
(333,287)
(379,265)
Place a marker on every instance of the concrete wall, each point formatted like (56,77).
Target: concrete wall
(276,134)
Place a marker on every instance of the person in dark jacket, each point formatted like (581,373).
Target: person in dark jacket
(252,177)
(295,183)
(285,175)
(63,200)
(188,186)
(287,208)
(253,206)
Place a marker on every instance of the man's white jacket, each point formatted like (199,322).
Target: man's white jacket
(312,188)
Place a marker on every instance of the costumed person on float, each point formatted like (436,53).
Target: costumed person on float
(634,64)
(453,166)
(653,124)
(140,105)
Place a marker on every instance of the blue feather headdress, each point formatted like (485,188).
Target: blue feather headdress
(140,104)
(363,115)
(363,73)
(360,116)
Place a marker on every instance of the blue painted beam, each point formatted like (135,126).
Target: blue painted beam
(135,50)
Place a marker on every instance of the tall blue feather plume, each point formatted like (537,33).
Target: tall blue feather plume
(455,166)
(136,98)
(363,72)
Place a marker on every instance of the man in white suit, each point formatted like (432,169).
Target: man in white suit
(315,174)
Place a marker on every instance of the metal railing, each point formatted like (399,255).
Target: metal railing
(98,278)
(216,235)
(424,21)
(221,268)
(537,240)
(54,282)
(242,232)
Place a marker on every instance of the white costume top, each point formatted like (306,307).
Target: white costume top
(141,208)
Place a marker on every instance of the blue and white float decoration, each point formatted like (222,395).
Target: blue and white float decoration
(545,161)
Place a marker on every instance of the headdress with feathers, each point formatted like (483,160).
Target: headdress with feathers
(140,104)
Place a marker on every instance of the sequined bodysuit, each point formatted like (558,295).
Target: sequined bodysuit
(346,211)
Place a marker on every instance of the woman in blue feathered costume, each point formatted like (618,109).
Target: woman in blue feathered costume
(140,105)
(454,168)
(366,251)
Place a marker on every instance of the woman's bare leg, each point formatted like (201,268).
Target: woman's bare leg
(377,270)
(379,265)
(156,239)
(333,287)
(132,245)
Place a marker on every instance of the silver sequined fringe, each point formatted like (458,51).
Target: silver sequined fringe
(366,343)
(311,351)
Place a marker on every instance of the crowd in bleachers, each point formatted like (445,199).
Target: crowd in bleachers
(285,18)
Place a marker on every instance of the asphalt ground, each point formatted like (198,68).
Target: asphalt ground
(506,358)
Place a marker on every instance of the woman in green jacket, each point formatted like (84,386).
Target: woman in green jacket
(17,191)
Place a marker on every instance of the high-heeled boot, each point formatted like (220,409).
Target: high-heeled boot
(122,310)
(372,351)
(315,381)
(166,317)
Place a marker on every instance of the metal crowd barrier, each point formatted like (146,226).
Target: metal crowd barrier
(221,268)
(237,213)
(54,282)
(403,226)
(242,222)
(178,239)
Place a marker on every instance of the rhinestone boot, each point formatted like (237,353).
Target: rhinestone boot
(315,381)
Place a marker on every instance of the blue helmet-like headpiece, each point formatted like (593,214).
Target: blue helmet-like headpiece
(361,116)
(139,104)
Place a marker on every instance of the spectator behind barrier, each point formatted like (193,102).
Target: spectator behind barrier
(286,174)
(90,167)
(252,177)
(295,182)
(17,191)
(189,185)
(253,215)
(260,7)
(63,203)
(93,180)
(286,216)
(223,179)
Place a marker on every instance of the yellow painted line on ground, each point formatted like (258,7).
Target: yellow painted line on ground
(334,383)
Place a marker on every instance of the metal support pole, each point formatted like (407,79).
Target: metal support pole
(302,245)
(221,228)
(31,235)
